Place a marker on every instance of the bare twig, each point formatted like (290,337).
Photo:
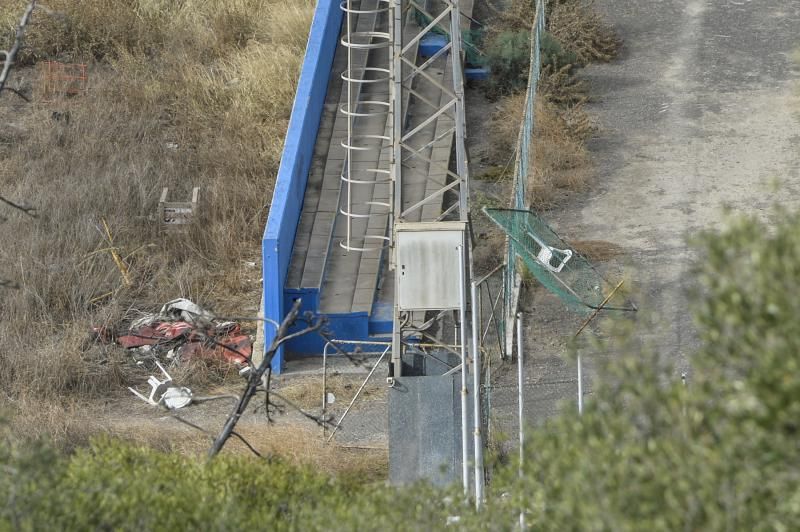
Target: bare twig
(10,55)
(190,424)
(316,419)
(18,93)
(598,309)
(30,211)
(241,438)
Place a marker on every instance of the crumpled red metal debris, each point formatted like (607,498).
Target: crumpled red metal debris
(232,348)
(155,333)
(222,341)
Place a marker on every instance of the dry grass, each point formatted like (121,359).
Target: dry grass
(504,128)
(596,250)
(511,14)
(70,425)
(561,162)
(578,25)
(306,392)
(217,78)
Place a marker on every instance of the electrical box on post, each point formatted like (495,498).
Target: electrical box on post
(430,257)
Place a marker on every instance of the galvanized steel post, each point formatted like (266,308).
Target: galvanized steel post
(464,365)
(521,402)
(476,397)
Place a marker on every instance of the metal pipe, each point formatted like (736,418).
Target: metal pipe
(520,402)
(580,385)
(358,342)
(488,388)
(324,387)
(395,168)
(462,165)
(351,108)
(464,401)
(476,396)
(363,384)
(488,275)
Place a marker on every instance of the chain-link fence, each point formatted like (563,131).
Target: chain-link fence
(522,169)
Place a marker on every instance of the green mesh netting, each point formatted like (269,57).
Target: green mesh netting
(557,266)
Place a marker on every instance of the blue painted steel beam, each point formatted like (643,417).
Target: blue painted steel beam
(298,150)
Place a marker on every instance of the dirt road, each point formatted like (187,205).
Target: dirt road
(698,112)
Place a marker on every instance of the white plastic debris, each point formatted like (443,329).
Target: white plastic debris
(176,397)
(162,392)
(186,310)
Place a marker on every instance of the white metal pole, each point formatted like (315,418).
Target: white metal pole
(476,396)
(462,166)
(580,385)
(464,401)
(351,108)
(395,167)
(521,402)
(324,387)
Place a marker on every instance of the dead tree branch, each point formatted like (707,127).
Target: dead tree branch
(10,55)
(26,209)
(18,93)
(255,377)
(8,61)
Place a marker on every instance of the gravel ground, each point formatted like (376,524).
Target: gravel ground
(698,112)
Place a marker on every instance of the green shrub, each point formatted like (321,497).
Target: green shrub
(554,54)
(118,486)
(508,58)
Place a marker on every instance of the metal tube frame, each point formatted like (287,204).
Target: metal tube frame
(355,77)
(476,397)
(464,370)
(521,407)
(355,397)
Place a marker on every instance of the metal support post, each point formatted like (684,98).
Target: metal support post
(324,387)
(476,396)
(464,365)
(580,385)
(396,99)
(462,168)
(521,402)
(396,162)
(352,109)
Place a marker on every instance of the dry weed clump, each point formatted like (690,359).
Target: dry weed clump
(561,162)
(562,87)
(181,94)
(578,25)
(513,14)
(504,128)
